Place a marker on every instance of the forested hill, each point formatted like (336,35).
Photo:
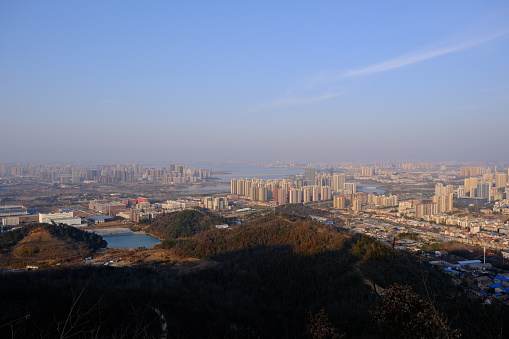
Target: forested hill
(183,224)
(64,232)
(276,270)
(46,243)
(303,237)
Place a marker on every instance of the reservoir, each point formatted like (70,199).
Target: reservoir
(129,241)
(369,189)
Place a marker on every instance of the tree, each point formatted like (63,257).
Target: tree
(319,327)
(403,314)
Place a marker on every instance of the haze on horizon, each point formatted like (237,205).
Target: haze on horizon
(310,81)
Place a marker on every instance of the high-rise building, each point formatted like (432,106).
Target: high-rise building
(281,196)
(488,177)
(315,193)
(367,171)
(441,189)
(295,196)
(356,204)
(338,182)
(471,171)
(425,209)
(233,186)
(444,202)
(350,188)
(340,201)
(325,193)
(501,180)
(215,203)
(309,176)
(307,194)
(470,183)
(208,202)
(220,203)
(263,194)
(461,191)
(483,190)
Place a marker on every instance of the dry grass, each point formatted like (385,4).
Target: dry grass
(41,248)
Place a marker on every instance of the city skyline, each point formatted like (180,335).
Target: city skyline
(327,81)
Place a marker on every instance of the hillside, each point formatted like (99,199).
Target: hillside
(183,224)
(274,277)
(42,244)
(303,237)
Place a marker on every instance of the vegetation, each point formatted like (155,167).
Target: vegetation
(67,233)
(26,251)
(303,237)
(410,235)
(280,276)
(183,224)
(296,212)
(13,237)
(404,314)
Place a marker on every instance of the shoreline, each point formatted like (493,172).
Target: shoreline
(105,232)
(110,232)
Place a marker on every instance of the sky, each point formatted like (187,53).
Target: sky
(133,81)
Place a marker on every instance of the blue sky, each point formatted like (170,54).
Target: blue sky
(265,80)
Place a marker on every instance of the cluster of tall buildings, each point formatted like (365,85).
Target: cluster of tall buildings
(215,203)
(172,174)
(486,188)
(362,201)
(281,191)
(309,188)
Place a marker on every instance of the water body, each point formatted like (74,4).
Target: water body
(129,241)
(229,172)
(370,189)
(206,188)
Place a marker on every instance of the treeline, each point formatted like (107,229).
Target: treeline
(299,211)
(93,241)
(184,223)
(11,238)
(68,233)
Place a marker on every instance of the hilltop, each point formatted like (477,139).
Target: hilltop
(45,244)
(183,224)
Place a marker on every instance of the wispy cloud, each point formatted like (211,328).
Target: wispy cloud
(418,57)
(289,100)
(323,80)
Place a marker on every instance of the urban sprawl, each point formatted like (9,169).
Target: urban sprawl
(433,202)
